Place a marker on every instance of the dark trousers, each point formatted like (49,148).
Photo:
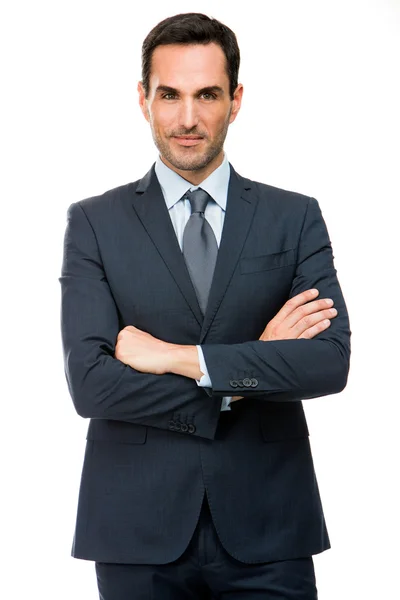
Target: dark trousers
(205,571)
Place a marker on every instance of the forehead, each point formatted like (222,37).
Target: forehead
(184,66)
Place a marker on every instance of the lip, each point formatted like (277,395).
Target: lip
(188,141)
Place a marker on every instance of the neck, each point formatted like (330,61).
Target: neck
(196,177)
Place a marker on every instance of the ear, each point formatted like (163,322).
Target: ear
(236,102)
(143,101)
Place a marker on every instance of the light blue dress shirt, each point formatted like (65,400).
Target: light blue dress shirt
(173,187)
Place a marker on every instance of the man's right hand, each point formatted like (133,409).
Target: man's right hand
(300,317)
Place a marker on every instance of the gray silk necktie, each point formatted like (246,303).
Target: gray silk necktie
(199,246)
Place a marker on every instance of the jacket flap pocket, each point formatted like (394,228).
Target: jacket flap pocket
(283,421)
(105,430)
(252,264)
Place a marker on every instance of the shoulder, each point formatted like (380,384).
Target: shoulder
(109,199)
(279,194)
(277,199)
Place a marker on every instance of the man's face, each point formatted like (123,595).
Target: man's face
(188,107)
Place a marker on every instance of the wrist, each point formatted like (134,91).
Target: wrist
(184,360)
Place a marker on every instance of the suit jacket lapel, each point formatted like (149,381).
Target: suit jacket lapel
(240,210)
(151,209)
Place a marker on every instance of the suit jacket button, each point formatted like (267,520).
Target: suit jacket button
(172,425)
(247,382)
(191,428)
(184,427)
(254,382)
(233,383)
(240,383)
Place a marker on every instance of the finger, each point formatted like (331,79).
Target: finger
(310,333)
(294,303)
(310,321)
(302,312)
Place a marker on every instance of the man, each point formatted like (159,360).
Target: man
(197,314)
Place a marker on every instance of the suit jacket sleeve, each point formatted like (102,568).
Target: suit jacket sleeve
(292,369)
(101,386)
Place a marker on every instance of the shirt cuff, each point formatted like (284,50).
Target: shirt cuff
(205,380)
(226,400)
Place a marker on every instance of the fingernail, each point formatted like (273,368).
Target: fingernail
(329,301)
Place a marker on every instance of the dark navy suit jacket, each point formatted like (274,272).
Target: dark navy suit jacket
(157,443)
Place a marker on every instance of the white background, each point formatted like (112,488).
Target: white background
(320,116)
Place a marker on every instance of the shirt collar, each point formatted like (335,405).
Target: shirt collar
(174,186)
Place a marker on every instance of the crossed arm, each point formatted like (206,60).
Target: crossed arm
(301,317)
(286,359)
(115,374)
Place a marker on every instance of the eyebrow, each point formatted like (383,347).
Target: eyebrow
(216,89)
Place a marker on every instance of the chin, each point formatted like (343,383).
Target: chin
(188,163)
(192,162)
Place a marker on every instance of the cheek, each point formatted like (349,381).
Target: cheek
(215,121)
(163,119)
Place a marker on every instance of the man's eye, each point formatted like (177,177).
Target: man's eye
(208,96)
(169,96)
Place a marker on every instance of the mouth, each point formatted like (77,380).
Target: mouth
(188,140)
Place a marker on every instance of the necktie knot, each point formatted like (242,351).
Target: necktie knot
(198,200)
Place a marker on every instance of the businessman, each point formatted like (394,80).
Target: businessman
(199,308)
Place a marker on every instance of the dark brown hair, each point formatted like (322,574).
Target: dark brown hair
(192,28)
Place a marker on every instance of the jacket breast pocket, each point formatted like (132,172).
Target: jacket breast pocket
(266,262)
(280,421)
(105,430)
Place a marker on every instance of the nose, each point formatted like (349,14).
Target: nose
(188,115)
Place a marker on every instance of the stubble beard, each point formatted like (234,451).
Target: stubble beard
(188,159)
